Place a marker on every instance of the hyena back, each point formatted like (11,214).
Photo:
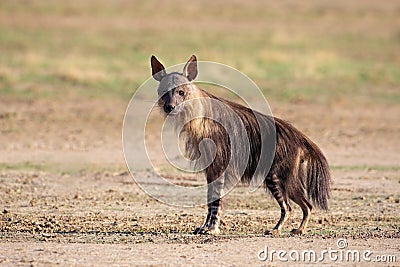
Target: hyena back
(298,170)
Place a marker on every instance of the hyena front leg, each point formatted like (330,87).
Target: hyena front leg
(211,225)
(214,195)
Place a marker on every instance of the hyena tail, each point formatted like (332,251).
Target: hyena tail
(318,177)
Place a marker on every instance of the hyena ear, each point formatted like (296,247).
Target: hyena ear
(190,69)
(157,69)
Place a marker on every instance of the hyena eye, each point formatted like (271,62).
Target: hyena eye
(181,93)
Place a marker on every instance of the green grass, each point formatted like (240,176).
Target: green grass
(366,167)
(23,166)
(69,169)
(313,52)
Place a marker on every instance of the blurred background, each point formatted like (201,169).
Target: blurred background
(69,68)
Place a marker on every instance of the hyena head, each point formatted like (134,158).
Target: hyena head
(174,88)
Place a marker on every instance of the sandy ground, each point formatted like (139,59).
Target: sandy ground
(66,197)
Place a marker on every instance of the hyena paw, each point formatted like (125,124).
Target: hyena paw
(297,231)
(199,230)
(272,232)
(213,230)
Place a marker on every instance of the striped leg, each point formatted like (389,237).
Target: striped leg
(214,194)
(202,229)
(273,185)
(211,225)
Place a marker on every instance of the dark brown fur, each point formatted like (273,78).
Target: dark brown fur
(298,170)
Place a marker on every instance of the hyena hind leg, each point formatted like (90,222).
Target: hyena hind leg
(273,185)
(305,205)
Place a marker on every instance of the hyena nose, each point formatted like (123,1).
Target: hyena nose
(168,108)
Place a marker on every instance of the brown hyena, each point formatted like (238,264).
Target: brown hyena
(295,168)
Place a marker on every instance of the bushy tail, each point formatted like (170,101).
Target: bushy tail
(319,178)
